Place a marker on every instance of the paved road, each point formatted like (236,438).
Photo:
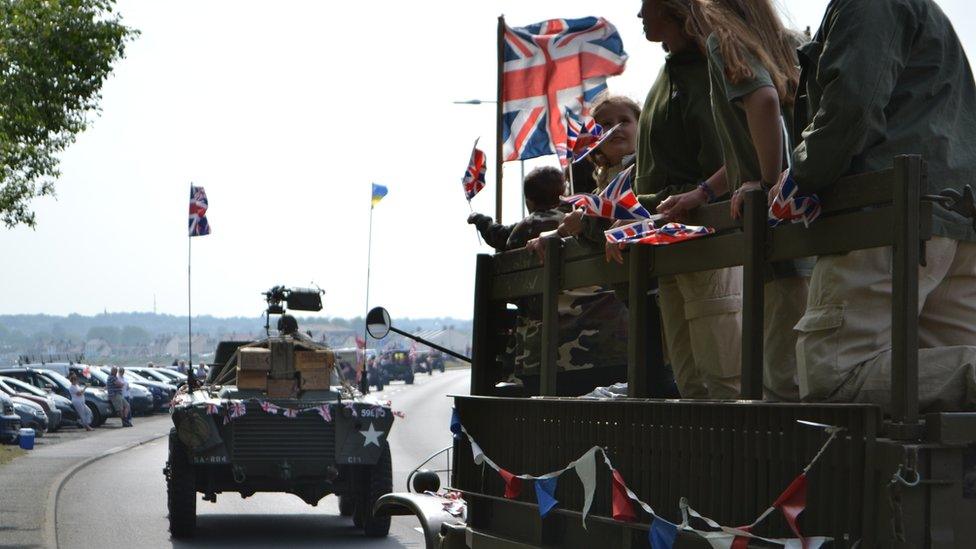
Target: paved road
(120,501)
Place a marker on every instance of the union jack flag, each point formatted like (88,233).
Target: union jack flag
(549,67)
(474,176)
(212,409)
(352,409)
(791,207)
(291,412)
(198,212)
(325,412)
(269,407)
(645,232)
(617,201)
(580,135)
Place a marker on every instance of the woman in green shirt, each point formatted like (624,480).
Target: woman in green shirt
(753,72)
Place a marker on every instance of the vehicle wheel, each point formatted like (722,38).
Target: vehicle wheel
(38,431)
(378,482)
(347,505)
(96,417)
(181,490)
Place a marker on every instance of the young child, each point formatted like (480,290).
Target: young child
(753,73)
(543,187)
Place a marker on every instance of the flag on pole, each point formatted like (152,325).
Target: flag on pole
(198,212)
(379,191)
(616,201)
(548,67)
(474,177)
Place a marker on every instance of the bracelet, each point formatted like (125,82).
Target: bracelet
(708,191)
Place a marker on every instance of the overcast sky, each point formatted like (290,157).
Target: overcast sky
(285,112)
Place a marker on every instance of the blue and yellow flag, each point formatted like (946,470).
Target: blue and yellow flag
(379,191)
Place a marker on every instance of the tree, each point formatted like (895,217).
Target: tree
(111,334)
(54,57)
(134,335)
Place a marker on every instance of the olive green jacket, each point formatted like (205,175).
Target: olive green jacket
(885,78)
(677,146)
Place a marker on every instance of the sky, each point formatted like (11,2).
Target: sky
(285,112)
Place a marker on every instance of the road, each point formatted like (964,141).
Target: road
(120,501)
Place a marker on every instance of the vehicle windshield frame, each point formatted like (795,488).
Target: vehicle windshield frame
(21,384)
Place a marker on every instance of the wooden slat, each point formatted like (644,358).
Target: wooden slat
(904,302)
(550,318)
(857,191)
(703,254)
(637,375)
(753,283)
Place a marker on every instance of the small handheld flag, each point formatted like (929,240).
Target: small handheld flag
(379,191)
(617,201)
(790,206)
(198,212)
(580,134)
(645,232)
(474,176)
(593,145)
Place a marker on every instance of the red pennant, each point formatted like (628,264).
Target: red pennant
(741,542)
(513,484)
(792,502)
(623,508)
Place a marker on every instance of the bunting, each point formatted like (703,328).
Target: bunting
(662,533)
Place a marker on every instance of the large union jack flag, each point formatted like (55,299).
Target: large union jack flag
(474,176)
(198,212)
(616,201)
(549,67)
(646,232)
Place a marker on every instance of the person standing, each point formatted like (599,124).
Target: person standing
(77,392)
(753,74)
(114,388)
(883,78)
(678,150)
(127,397)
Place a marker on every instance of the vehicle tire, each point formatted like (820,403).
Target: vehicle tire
(378,481)
(347,506)
(38,431)
(96,417)
(181,490)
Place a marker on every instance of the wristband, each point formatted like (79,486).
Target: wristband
(708,191)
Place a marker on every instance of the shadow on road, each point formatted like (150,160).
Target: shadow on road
(251,530)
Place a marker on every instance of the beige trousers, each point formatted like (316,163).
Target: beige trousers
(844,343)
(785,300)
(702,318)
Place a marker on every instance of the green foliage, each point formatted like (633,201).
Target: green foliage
(134,335)
(54,57)
(110,334)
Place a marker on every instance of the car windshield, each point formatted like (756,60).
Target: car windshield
(21,387)
(149,372)
(54,378)
(96,376)
(135,376)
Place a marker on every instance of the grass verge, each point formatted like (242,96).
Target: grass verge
(9,452)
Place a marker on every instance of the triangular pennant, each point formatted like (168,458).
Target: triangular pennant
(513,484)
(740,542)
(717,540)
(456,423)
(545,495)
(623,508)
(792,502)
(476,453)
(662,534)
(806,543)
(586,470)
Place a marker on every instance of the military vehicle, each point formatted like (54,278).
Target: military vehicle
(885,478)
(273,416)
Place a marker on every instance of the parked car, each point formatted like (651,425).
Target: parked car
(9,420)
(31,414)
(51,414)
(63,411)
(175,379)
(140,397)
(162,393)
(96,399)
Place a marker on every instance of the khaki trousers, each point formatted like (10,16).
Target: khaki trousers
(785,300)
(702,318)
(844,343)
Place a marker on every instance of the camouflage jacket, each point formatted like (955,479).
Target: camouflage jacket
(510,237)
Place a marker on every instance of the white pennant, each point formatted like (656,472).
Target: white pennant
(718,540)
(586,470)
(477,454)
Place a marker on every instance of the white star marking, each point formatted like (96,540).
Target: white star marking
(372,435)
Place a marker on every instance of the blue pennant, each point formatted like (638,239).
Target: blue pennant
(456,423)
(545,494)
(662,534)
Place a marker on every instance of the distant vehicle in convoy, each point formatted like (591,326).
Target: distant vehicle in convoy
(32,415)
(274,416)
(169,377)
(9,420)
(96,399)
(56,407)
(395,365)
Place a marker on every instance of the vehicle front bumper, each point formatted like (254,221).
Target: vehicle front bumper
(9,427)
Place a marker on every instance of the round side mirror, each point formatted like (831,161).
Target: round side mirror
(378,322)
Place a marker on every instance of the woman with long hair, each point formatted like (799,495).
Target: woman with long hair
(754,73)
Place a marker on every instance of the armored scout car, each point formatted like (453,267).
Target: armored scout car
(273,416)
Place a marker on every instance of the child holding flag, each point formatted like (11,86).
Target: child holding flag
(752,67)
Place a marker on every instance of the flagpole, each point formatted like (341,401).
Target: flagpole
(364,379)
(499,150)
(189,296)
(477,234)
